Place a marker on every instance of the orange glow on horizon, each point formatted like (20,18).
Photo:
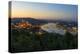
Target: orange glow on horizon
(34,14)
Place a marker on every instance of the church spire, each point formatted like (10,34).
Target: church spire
(23,20)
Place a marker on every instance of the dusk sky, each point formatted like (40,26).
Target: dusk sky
(44,11)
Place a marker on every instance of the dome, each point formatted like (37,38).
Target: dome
(53,28)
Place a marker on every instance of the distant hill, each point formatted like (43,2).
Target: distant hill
(30,20)
(42,21)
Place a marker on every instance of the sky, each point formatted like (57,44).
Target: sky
(44,11)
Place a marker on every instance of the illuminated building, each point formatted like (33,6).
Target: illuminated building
(23,24)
